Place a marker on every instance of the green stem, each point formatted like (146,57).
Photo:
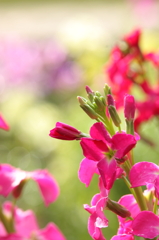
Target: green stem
(5,221)
(129,186)
(119,128)
(155,206)
(140,198)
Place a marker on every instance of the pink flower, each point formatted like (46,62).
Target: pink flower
(3,124)
(105,150)
(97,219)
(143,173)
(12,180)
(133,38)
(65,132)
(144,224)
(26,226)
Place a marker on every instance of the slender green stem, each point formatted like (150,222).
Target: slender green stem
(11,220)
(140,198)
(129,186)
(132,157)
(119,128)
(155,206)
(4,220)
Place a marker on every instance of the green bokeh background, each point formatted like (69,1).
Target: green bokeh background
(28,146)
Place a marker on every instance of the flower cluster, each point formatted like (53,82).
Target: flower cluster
(43,66)
(108,152)
(129,67)
(16,224)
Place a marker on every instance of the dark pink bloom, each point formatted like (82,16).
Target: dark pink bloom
(133,38)
(97,219)
(105,150)
(143,173)
(11,179)
(3,124)
(146,225)
(65,132)
(129,107)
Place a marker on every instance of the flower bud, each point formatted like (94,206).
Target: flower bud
(110,100)
(65,132)
(129,107)
(107,90)
(90,93)
(118,209)
(114,115)
(18,189)
(99,103)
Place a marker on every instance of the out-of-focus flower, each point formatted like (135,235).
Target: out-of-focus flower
(40,66)
(26,226)
(3,124)
(12,181)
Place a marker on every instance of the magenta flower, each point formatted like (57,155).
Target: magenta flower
(26,226)
(97,219)
(125,225)
(144,224)
(3,124)
(133,38)
(65,132)
(105,150)
(12,180)
(143,173)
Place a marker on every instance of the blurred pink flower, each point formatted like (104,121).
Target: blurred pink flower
(42,66)
(26,226)
(12,180)
(3,124)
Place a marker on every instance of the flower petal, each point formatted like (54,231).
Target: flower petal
(146,225)
(47,184)
(93,149)
(86,171)
(51,231)
(143,173)
(123,143)
(99,132)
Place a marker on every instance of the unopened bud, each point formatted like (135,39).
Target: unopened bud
(114,115)
(82,100)
(65,132)
(110,100)
(118,209)
(90,112)
(18,189)
(99,103)
(107,90)
(129,107)
(129,113)
(90,93)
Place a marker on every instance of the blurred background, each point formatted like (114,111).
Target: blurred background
(49,51)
